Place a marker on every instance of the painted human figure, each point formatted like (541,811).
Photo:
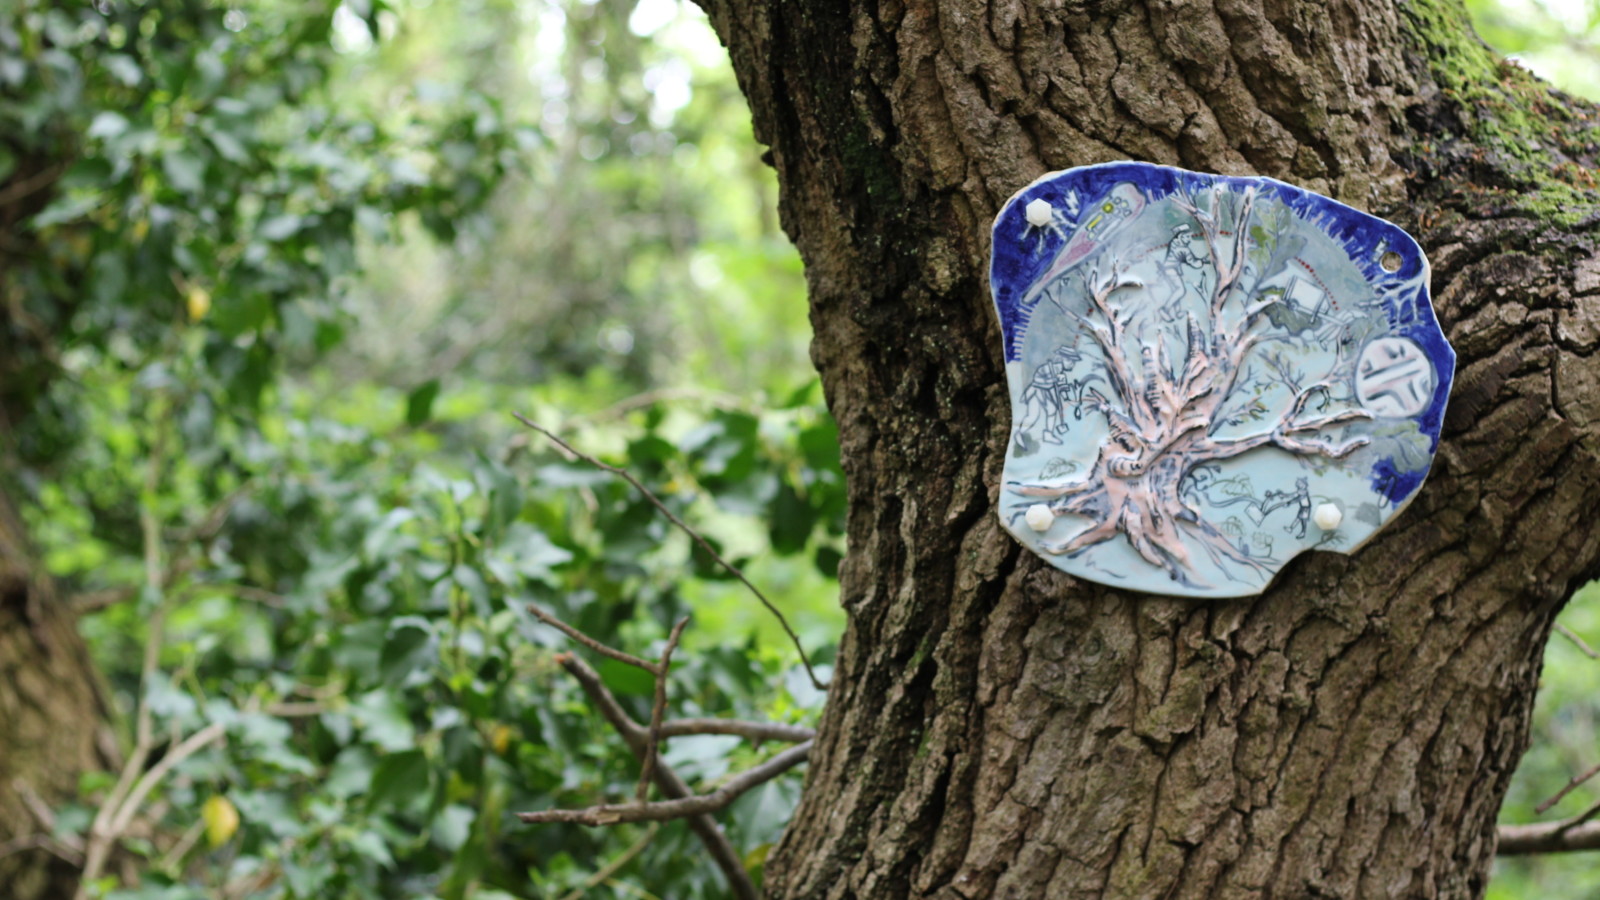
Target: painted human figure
(1048,394)
(1301,498)
(1181,254)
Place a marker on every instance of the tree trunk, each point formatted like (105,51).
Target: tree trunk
(51,721)
(997,728)
(52,716)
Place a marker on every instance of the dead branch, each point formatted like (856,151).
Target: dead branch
(753,731)
(1577,780)
(658,709)
(667,781)
(591,643)
(1580,643)
(664,810)
(1577,833)
(616,865)
(683,526)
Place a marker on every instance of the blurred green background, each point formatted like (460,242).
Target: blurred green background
(296,263)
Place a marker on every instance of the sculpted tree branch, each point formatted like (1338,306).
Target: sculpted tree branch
(1165,417)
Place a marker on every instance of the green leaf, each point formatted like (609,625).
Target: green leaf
(622,678)
(828,560)
(401,780)
(410,647)
(279,227)
(185,171)
(452,825)
(106,125)
(419,403)
(790,521)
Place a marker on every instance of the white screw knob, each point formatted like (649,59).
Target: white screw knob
(1327,517)
(1040,213)
(1039,517)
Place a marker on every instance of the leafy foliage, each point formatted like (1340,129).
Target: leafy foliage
(344,550)
(358,621)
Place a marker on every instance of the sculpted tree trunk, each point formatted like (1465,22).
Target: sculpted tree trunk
(998,728)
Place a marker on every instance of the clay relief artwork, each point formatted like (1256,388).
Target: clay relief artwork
(1209,375)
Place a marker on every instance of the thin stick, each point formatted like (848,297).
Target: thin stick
(634,735)
(1548,837)
(753,731)
(43,842)
(191,745)
(663,810)
(102,831)
(1580,818)
(175,855)
(658,710)
(616,865)
(591,643)
(686,529)
(1583,647)
(1580,779)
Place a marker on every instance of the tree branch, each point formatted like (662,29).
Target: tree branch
(667,780)
(1580,643)
(1577,780)
(683,526)
(616,865)
(753,731)
(657,711)
(1577,833)
(612,814)
(591,643)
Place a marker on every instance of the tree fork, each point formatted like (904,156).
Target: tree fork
(996,728)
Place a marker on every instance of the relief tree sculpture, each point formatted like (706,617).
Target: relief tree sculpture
(1168,413)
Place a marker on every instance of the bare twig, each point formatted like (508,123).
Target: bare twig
(191,745)
(616,865)
(1578,642)
(93,601)
(686,529)
(754,731)
(658,710)
(663,810)
(44,842)
(102,835)
(38,181)
(591,643)
(1577,780)
(667,780)
(1576,833)
(174,856)
(1519,840)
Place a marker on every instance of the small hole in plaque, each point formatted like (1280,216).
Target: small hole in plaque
(1390,262)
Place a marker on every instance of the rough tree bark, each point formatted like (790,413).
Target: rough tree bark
(997,728)
(52,716)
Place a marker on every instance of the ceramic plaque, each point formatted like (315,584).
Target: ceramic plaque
(1209,375)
